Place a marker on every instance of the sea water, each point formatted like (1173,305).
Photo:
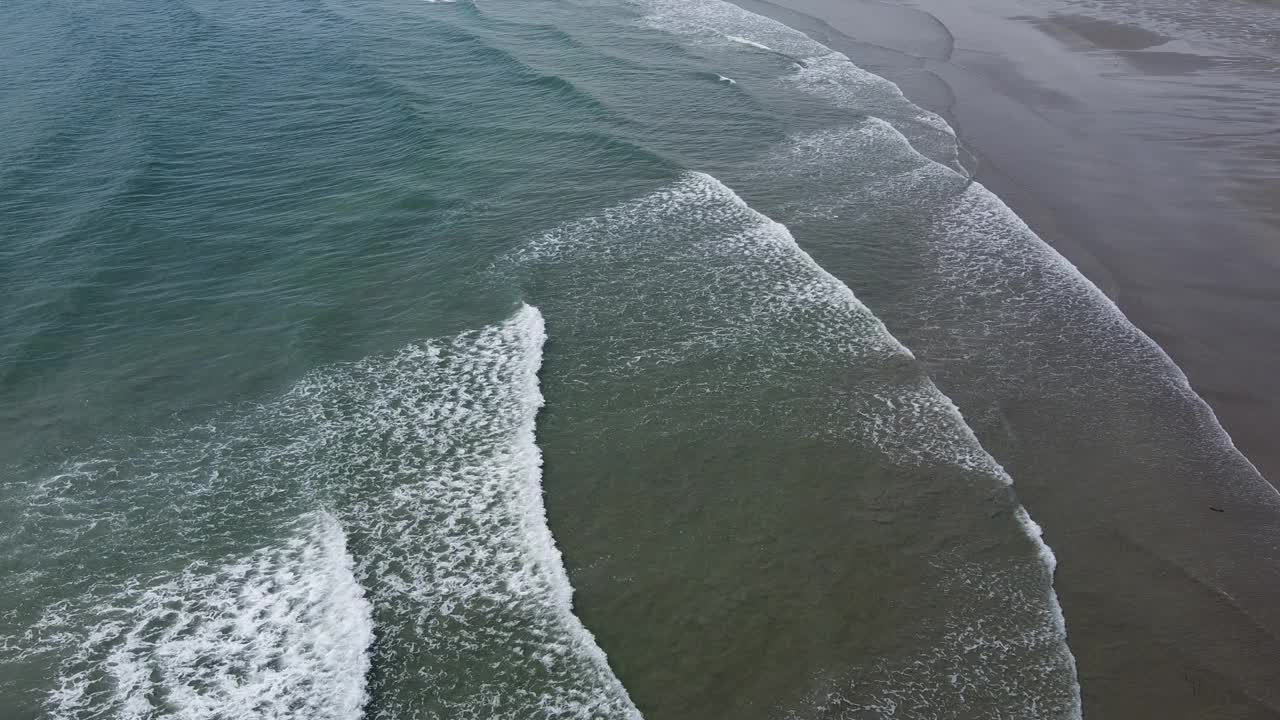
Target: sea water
(452,360)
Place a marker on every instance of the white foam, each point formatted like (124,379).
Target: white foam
(742,287)
(925,406)
(434,453)
(780,289)
(428,458)
(724,79)
(721,20)
(749,43)
(981,241)
(282,633)
(961,658)
(818,70)
(828,149)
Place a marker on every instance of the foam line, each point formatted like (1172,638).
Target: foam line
(758,292)
(283,632)
(428,462)
(434,451)
(949,409)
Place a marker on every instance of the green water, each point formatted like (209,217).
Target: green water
(445,360)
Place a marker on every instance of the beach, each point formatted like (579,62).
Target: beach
(1141,143)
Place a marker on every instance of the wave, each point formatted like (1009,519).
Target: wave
(1018,285)
(900,150)
(283,632)
(758,258)
(426,457)
(815,68)
(434,451)
(1031,348)
(708,304)
(1038,349)
(749,43)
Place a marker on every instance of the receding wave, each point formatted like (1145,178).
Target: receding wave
(977,248)
(904,153)
(738,331)
(816,68)
(1030,347)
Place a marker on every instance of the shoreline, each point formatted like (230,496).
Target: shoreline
(1142,216)
(1119,141)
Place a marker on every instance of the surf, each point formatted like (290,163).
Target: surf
(1030,348)
(919,145)
(434,453)
(738,332)
(412,482)
(283,632)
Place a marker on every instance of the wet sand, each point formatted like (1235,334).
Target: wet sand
(1143,143)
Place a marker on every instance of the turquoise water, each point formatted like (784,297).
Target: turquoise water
(449,360)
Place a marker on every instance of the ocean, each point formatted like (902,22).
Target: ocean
(521,359)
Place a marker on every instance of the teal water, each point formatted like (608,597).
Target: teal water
(448,360)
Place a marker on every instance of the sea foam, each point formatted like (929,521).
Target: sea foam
(281,633)
(433,532)
(732,309)
(773,291)
(433,453)
(814,68)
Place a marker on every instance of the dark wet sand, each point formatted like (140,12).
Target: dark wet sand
(1143,143)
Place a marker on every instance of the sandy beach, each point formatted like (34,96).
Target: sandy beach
(1142,143)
